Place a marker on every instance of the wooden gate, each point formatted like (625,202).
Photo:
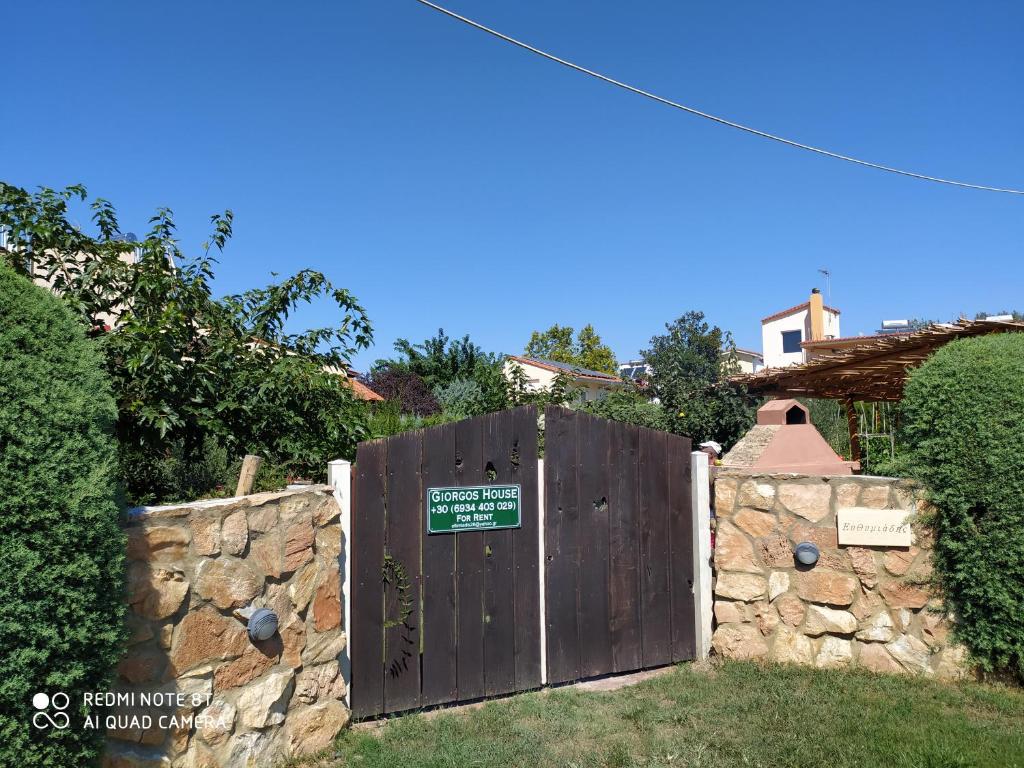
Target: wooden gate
(443,617)
(619,566)
(439,618)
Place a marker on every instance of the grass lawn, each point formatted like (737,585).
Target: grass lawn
(735,714)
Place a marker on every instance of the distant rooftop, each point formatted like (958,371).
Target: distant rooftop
(575,370)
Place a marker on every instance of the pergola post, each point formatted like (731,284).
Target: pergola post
(851,424)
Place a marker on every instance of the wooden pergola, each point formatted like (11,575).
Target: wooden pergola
(874,370)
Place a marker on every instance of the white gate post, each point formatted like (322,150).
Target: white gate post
(702,599)
(339,476)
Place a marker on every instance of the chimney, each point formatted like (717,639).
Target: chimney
(817,313)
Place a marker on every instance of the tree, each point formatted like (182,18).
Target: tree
(586,351)
(442,362)
(405,388)
(63,553)
(186,366)
(439,360)
(960,423)
(688,379)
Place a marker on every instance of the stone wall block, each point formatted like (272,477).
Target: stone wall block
(758,495)
(808,501)
(792,647)
(834,652)
(775,551)
(873,656)
(205,534)
(733,550)
(901,594)
(755,522)
(875,497)
(846,495)
(158,543)
(826,587)
(327,602)
(234,534)
(725,496)
(205,635)
(739,641)
(863,562)
(155,592)
(227,583)
(822,620)
(298,543)
(879,628)
(741,586)
(263,704)
(312,729)
(912,653)
(778,583)
(791,609)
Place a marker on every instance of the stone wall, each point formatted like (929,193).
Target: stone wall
(858,606)
(190,568)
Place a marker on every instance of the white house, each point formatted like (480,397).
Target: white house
(748,360)
(784,333)
(540,374)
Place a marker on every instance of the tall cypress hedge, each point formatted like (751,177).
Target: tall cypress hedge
(963,421)
(61,549)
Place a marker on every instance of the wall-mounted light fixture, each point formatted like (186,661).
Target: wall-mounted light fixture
(261,622)
(806,553)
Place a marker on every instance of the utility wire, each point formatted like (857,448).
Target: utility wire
(705,115)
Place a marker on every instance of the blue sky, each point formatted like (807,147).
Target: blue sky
(451,180)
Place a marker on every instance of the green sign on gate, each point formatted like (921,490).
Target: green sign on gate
(474,508)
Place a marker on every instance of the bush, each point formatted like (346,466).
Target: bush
(62,553)
(406,388)
(631,407)
(962,415)
(460,399)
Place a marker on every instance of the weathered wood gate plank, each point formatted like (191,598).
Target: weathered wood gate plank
(367,628)
(595,638)
(469,574)
(439,676)
(526,551)
(561,545)
(654,552)
(624,549)
(684,633)
(402,537)
(499,574)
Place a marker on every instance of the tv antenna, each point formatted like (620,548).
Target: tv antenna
(827,273)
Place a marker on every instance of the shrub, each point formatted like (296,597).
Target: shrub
(406,388)
(461,398)
(631,407)
(62,553)
(962,415)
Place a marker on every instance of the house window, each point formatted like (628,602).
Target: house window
(791,341)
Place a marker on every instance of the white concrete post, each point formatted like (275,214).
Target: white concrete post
(540,574)
(702,598)
(339,476)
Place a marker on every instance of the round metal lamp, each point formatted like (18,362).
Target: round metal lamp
(262,624)
(806,553)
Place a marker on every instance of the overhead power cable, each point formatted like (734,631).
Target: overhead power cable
(706,115)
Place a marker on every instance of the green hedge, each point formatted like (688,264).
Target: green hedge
(61,549)
(963,423)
